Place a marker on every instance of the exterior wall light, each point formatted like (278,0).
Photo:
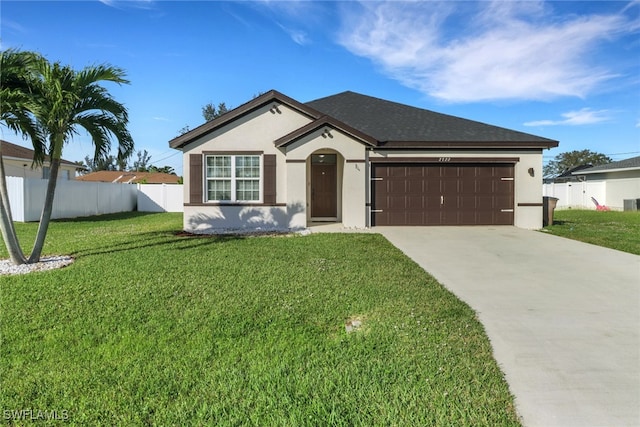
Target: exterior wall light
(326,133)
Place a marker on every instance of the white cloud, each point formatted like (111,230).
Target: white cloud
(135,4)
(298,36)
(13,26)
(585,116)
(465,52)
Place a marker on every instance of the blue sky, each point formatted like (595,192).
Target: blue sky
(567,70)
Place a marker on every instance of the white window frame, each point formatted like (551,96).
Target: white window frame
(234,180)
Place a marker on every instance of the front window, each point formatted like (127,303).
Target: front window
(233,178)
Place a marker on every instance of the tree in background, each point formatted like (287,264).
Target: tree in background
(59,100)
(164,169)
(143,163)
(111,163)
(108,163)
(571,159)
(210,112)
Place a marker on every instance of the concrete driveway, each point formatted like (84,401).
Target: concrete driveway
(563,317)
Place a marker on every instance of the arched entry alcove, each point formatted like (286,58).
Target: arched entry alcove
(324,186)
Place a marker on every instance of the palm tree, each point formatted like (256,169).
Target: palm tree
(16,101)
(66,101)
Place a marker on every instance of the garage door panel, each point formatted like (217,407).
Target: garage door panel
(504,187)
(415,187)
(396,186)
(485,187)
(449,172)
(452,194)
(397,202)
(485,203)
(415,218)
(485,172)
(503,171)
(415,203)
(503,202)
(468,187)
(414,172)
(468,203)
(399,172)
(449,186)
(467,172)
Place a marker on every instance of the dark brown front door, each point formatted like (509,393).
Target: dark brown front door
(453,194)
(324,201)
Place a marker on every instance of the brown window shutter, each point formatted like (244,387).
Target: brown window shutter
(195,178)
(269,188)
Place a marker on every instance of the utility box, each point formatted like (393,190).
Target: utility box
(631,204)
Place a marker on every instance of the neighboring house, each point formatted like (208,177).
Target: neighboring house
(276,163)
(18,161)
(124,177)
(621,180)
(567,176)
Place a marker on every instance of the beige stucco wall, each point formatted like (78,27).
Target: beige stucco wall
(528,189)
(256,131)
(352,179)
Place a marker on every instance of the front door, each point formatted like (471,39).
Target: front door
(324,191)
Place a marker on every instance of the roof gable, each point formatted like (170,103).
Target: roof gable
(325,121)
(262,100)
(399,125)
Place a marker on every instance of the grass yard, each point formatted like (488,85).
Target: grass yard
(615,230)
(151,328)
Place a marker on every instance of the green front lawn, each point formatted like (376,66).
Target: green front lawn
(615,230)
(151,328)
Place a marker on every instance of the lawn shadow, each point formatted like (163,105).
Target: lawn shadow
(168,238)
(107,217)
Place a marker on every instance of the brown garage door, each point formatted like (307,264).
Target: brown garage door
(451,194)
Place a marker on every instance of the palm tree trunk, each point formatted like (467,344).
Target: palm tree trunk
(6,221)
(45,217)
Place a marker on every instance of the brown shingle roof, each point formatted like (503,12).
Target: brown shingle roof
(388,124)
(403,126)
(124,177)
(20,152)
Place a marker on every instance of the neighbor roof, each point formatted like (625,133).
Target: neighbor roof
(123,177)
(626,164)
(395,125)
(380,123)
(14,151)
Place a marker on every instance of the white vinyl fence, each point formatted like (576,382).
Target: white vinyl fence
(160,197)
(72,199)
(577,194)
